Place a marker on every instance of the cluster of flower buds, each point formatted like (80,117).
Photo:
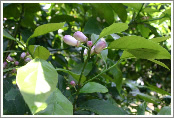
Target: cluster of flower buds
(79,37)
(145,17)
(23,55)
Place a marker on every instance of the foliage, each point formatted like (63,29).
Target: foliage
(130,76)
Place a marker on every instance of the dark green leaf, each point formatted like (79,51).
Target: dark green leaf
(119,10)
(92,26)
(102,107)
(36,81)
(159,63)
(135,6)
(63,18)
(39,52)
(114,28)
(74,75)
(12,93)
(92,87)
(57,104)
(105,11)
(141,109)
(7,35)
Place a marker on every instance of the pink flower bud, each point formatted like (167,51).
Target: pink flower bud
(100,46)
(80,36)
(9,58)
(14,70)
(92,49)
(28,59)
(89,43)
(28,54)
(71,41)
(73,83)
(16,63)
(23,55)
(85,52)
(4,64)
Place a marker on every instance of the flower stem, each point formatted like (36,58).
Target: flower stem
(103,72)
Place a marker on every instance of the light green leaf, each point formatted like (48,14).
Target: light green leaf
(107,13)
(39,52)
(114,28)
(104,55)
(46,28)
(94,37)
(139,46)
(36,81)
(135,6)
(120,10)
(159,63)
(143,30)
(92,87)
(165,111)
(159,39)
(102,107)
(57,104)
(74,75)
(150,10)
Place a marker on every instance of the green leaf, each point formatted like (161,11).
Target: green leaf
(159,63)
(107,13)
(165,111)
(78,68)
(7,35)
(153,30)
(126,54)
(119,10)
(39,52)
(150,10)
(118,77)
(159,39)
(143,30)
(135,45)
(141,109)
(46,28)
(156,89)
(92,26)
(74,75)
(92,87)
(146,97)
(12,93)
(104,55)
(57,104)
(102,107)
(135,6)
(36,81)
(94,37)
(114,28)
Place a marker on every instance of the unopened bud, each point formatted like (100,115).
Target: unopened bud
(100,46)
(14,70)
(80,36)
(104,20)
(98,19)
(89,43)
(92,49)
(71,41)
(9,58)
(73,83)
(85,52)
(28,59)
(16,63)
(4,64)
(23,55)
